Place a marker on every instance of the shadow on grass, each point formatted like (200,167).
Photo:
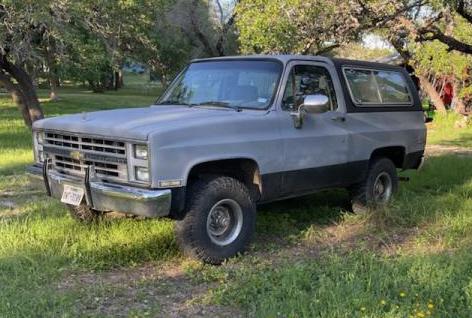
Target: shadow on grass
(464,140)
(14,168)
(439,190)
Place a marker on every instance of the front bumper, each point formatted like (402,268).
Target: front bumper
(104,196)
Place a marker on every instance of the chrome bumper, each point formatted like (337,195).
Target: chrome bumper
(106,196)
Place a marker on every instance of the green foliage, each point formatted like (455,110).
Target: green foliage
(308,27)
(87,62)
(435,57)
(286,26)
(358,51)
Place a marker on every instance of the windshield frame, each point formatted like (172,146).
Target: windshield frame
(217,60)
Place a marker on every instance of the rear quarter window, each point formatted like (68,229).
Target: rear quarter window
(370,87)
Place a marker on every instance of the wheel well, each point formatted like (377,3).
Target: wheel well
(394,153)
(244,170)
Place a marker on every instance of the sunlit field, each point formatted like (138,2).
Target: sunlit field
(311,257)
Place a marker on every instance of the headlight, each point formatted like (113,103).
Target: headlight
(141,152)
(40,137)
(142,173)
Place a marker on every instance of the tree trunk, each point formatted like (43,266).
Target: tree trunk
(164,80)
(457,102)
(53,86)
(429,89)
(17,97)
(118,76)
(23,91)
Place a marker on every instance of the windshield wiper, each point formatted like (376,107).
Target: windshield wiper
(219,104)
(173,102)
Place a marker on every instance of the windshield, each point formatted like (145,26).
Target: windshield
(245,84)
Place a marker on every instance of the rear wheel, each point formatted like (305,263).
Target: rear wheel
(378,188)
(85,214)
(219,220)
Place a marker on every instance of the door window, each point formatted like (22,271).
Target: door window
(306,80)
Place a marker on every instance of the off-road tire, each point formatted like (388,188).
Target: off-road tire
(85,214)
(192,232)
(362,194)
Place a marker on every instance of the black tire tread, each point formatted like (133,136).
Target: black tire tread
(197,194)
(360,198)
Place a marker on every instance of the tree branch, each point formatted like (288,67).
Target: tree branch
(327,49)
(433,33)
(224,32)
(462,11)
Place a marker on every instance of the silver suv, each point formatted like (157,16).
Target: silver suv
(230,133)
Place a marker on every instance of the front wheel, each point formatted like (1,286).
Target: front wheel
(219,221)
(85,214)
(378,188)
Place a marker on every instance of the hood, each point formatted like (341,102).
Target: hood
(130,123)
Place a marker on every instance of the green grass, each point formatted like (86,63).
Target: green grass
(429,227)
(39,241)
(442,131)
(311,258)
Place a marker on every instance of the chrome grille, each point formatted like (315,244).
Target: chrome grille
(107,156)
(88,144)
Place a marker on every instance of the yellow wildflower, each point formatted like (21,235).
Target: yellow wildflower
(402,294)
(383,302)
(362,308)
(430,306)
(420,314)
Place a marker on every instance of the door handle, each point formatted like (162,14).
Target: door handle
(338,118)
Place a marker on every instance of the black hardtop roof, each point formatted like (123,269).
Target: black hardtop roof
(285,58)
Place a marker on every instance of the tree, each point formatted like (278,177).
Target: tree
(24,28)
(84,40)
(207,25)
(310,27)
(431,41)
(121,27)
(431,30)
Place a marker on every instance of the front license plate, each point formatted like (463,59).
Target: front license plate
(72,195)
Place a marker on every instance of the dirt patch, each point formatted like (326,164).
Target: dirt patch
(437,150)
(151,289)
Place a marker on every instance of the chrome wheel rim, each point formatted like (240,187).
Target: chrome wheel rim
(224,222)
(383,188)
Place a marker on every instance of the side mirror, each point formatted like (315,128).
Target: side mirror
(313,104)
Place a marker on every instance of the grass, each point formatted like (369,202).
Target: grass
(311,258)
(442,131)
(412,260)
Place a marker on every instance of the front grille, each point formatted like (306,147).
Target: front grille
(72,154)
(88,144)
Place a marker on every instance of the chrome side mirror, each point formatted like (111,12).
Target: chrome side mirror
(313,104)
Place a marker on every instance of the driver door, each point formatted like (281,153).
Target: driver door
(316,153)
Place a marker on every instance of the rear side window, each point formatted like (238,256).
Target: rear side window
(377,87)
